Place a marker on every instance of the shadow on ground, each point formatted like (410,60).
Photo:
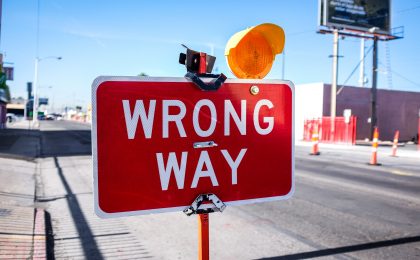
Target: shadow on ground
(65,143)
(348,249)
(30,144)
(19,143)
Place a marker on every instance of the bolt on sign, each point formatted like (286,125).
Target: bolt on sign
(158,143)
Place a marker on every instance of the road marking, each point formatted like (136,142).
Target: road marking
(359,187)
(398,172)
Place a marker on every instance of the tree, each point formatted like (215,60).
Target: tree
(142,74)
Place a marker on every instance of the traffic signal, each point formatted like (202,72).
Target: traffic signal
(250,53)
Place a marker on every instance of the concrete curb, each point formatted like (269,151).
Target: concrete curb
(383,150)
(17,157)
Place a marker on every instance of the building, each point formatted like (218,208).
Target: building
(396,110)
(17,106)
(3,111)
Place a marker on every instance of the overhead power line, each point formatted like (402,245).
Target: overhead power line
(354,70)
(301,32)
(405,78)
(408,9)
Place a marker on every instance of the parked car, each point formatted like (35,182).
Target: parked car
(49,117)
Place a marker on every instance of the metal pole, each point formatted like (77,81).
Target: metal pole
(24,110)
(283,63)
(373,122)
(203,236)
(35,86)
(334,84)
(362,64)
(35,103)
(52,103)
(418,134)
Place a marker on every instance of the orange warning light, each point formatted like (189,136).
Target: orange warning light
(250,53)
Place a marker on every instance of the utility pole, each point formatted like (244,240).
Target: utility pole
(373,120)
(334,84)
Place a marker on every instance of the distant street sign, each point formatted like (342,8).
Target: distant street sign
(158,143)
(43,101)
(9,72)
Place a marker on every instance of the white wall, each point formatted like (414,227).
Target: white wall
(308,105)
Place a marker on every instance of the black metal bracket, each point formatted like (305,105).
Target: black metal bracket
(200,207)
(210,86)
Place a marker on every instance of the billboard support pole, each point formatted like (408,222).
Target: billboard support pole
(373,122)
(334,84)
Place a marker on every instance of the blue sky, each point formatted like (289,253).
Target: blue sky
(125,38)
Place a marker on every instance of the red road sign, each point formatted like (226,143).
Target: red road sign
(158,143)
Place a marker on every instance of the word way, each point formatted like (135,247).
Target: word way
(204,168)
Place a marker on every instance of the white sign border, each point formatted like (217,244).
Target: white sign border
(101,79)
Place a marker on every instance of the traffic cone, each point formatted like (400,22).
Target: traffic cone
(395,144)
(374,158)
(315,142)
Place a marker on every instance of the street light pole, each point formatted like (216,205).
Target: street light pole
(283,63)
(52,102)
(35,103)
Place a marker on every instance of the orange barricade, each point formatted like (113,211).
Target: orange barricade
(315,141)
(374,158)
(395,144)
(345,131)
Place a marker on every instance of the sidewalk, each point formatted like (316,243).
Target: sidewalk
(407,150)
(22,225)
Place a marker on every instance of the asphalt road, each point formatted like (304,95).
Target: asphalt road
(342,209)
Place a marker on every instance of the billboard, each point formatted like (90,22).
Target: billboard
(362,15)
